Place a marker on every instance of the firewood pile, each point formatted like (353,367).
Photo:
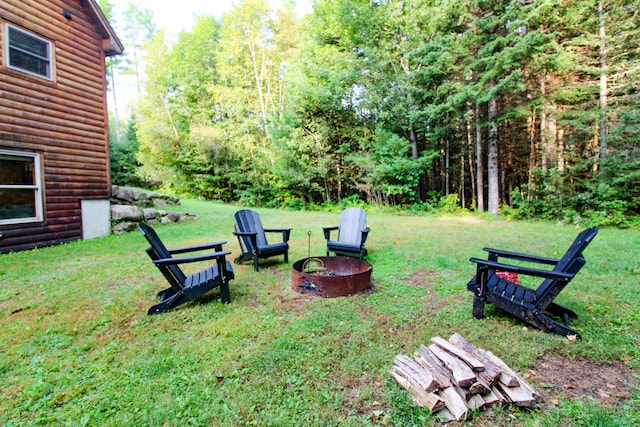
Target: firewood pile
(451,378)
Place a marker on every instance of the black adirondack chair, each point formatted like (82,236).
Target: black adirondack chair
(183,287)
(253,240)
(352,233)
(535,307)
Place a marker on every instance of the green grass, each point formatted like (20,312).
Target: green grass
(77,348)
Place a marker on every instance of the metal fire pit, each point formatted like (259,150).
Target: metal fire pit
(331,277)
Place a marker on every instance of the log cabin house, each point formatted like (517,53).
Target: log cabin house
(54,148)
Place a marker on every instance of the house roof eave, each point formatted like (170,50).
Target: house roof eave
(111,43)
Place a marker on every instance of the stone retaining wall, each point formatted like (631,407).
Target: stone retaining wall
(130,206)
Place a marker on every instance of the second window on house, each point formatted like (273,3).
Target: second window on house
(20,187)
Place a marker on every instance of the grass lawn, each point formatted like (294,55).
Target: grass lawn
(77,348)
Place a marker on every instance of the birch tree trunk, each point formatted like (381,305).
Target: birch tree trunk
(492,155)
(115,103)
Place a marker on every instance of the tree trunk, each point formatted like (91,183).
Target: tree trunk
(115,104)
(603,83)
(492,155)
(414,154)
(258,81)
(552,135)
(561,159)
(532,153)
(447,161)
(136,71)
(508,173)
(461,187)
(479,155)
(548,143)
(544,158)
(470,152)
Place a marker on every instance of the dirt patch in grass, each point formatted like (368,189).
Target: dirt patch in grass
(559,377)
(422,277)
(470,219)
(293,301)
(355,388)
(433,301)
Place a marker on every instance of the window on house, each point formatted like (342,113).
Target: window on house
(20,188)
(28,53)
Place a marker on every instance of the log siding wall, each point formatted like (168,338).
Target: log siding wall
(64,120)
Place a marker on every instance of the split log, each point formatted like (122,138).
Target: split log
(508,380)
(505,378)
(417,373)
(460,371)
(422,398)
(508,371)
(454,403)
(479,387)
(445,416)
(494,396)
(476,402)
(460,353)
(463,392)
(491,372)
(518,396)
(429,361)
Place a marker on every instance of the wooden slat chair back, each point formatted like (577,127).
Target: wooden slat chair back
(352,233)
(252,238)
(174,275)
(186,287)
(248,221)
(352,222)
(571,263)
(527,304)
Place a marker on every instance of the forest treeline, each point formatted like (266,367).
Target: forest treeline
(529,107)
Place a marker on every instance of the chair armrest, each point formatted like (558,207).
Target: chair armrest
(520,257)
(527,271)
(197,258)
(327,231)
(286,232)
(245,233)
(213,245)
(365,233)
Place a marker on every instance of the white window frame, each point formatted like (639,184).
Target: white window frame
(48,58)
(36,187)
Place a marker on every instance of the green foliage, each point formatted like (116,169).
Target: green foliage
(611,198)
(383,101)
(388,171)
(449,204)
(124,164)
(302,163)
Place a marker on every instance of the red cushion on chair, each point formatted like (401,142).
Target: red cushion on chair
(508,275)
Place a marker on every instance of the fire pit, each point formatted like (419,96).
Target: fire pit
(331,277)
